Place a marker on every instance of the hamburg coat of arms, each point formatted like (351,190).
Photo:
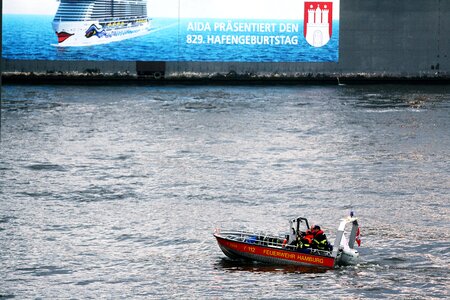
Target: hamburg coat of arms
(318,22)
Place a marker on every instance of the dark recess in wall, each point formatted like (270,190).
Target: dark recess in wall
(155,69)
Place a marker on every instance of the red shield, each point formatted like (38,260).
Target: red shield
(318,22)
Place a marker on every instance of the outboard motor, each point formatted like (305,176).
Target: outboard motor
(346,255)
(343,250)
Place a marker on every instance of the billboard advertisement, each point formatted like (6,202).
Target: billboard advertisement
(172,30)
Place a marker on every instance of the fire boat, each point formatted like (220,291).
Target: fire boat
(285,249)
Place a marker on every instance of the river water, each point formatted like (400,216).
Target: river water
(115,191)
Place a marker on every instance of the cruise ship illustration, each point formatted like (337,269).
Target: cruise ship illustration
(93,22)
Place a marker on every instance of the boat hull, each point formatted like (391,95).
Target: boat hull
(271,255)
(88,33)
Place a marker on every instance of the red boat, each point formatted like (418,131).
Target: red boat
(284,250)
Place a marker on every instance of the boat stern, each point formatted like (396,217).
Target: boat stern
(343,249)
(347,257)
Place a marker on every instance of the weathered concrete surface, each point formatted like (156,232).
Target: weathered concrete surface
(379,40)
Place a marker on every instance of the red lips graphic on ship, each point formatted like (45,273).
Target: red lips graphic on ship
(62,36)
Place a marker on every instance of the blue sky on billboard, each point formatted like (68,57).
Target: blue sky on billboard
(30,7)
(233,9)
(244,9)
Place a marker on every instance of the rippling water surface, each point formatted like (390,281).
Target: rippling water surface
(115,191)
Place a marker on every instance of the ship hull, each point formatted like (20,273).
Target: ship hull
(88,33)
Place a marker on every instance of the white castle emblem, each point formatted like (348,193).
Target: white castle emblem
(318,26)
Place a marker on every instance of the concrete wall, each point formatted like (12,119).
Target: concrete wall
(69,67)
(379,39)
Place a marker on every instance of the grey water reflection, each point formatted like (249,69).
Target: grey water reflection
(115,191)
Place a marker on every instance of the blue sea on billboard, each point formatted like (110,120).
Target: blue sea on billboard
(30,37)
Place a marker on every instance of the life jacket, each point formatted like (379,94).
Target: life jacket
(320,240)
(306,240)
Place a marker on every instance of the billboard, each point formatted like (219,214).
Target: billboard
(172,30)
